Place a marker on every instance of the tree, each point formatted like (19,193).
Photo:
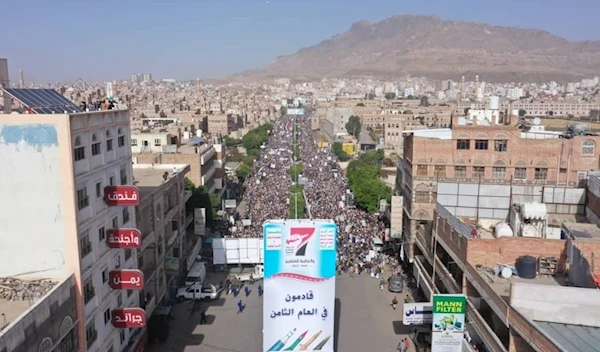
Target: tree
(424,101)
(215,202)
(242,172)
(295,171)
(162,114)
(467,110)
(339,151)
(188,184)
(353,126)
(371,96)
(230,142)
(200,199)
(522,112)
(248,160)
(360,104)
(390,96)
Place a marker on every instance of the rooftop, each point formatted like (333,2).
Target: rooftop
(572,338)
(583,231)
(17,296)
(147,177)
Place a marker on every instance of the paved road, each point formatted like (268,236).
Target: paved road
(365,321)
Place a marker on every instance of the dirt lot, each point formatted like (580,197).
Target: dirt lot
(561,124)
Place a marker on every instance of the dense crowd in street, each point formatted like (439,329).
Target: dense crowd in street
(267,194)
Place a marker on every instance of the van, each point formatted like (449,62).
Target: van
(376,244)
(196,275)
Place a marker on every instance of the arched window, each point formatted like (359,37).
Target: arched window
(499,162)
(94,138)
(77,141)
(588,147)
(107,133)
(66,325)
(46,345)
(119,131)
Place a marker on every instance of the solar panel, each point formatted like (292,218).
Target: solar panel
(43,101)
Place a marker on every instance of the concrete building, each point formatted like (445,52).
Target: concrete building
(509,312)
(477,153)
(164,224)
(339,116)
(59,168)
(197,152)
(40,323)
(537,108)
(154,141)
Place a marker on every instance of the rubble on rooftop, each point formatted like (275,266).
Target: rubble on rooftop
(12,289)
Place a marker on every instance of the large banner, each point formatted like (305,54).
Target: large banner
(299,285)
(448,323)
(295,111)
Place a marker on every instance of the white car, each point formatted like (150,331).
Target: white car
(198,292)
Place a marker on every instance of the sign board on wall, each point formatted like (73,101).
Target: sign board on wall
(396,216)
(417,313)
(448,323)
(300,268)
(237,251)
(172,264)
(199,221)
(295,111)
(348,148)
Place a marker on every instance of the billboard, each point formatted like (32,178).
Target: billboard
(299,285)
(237,251)
(295,111)
(417,313)
(448,323)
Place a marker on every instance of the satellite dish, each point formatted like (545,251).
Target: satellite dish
(537,121)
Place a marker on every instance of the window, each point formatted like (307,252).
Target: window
(111,180)
(440,171)
(88,290)
(463,144)
(119,299)
(478,171)
(541,173)
(85,245)
(520,173)
(499,173)
(175,252)
(105,275)
(133,142)
(563,170)
(421,197)
(68,342)
(95,145)
(106,316)
(125,215)
(79,150)
(581,176)
(500,145)
(588,147)
(422,170)
(91,334)
(115,222)
(460,171)
(109,145)
(101,234)
(121,141)
(82,198)
(127,254)
(123,174)
(157,143)
(129,293)
(122,336)
(98,189)
(481,144)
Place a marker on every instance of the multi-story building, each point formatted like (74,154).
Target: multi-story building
(163,223)
(65,169)
(196,152)
(156,141)
(481,152)
(537,108)
(220,174)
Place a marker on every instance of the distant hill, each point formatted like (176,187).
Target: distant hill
(432,47)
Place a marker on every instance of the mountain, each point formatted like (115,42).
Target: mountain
(432,47)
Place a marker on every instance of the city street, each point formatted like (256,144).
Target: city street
(364,318)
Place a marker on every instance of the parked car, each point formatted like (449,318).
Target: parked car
(198,292)
(257,274)
(395,283)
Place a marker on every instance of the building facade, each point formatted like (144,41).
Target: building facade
(65,162)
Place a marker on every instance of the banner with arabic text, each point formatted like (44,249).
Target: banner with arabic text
(299,285)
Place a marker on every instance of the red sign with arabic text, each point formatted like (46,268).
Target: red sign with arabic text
(123,238)
(121,195)
(128,279)
(128,318)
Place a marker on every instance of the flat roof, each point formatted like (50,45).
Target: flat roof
(148,177)
(501,285)
(11,310)
(572,338)
(583,231)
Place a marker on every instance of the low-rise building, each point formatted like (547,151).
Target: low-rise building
(165,226)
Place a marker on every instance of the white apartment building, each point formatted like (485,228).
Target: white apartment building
(151,142)
(56,167)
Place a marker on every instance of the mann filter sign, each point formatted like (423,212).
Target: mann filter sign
(448,323)
(299,302)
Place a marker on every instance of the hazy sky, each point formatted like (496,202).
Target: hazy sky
(62,40)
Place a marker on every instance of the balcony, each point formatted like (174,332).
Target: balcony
(207,156)
(149,269)
(208,175)
(171,240)
(148,149)
(149,301)
(187,194)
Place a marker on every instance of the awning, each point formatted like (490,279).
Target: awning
(196,141)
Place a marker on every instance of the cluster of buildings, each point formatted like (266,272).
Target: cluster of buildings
(111,236)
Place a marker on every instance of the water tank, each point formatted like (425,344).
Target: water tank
(530,231)
(526,265)
(186,135)
(494,103)
(198,133)
(503,230)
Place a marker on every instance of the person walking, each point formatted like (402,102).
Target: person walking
(381,284)
(394,302)
(247,289)
(240,307)
(203,317)
(406,344)
(260,290)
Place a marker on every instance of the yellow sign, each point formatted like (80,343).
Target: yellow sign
(323,145)
(348,148)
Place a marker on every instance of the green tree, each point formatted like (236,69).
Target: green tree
(295,171)
(255,153)
(360,104)
(248,160)
(339,151)
(215,202)
(424,101)
(162,114)
(243,171)
(522,112)
(201,199)
(252,141)
(390,96)
(231,142)
(353,126)
(188,184)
